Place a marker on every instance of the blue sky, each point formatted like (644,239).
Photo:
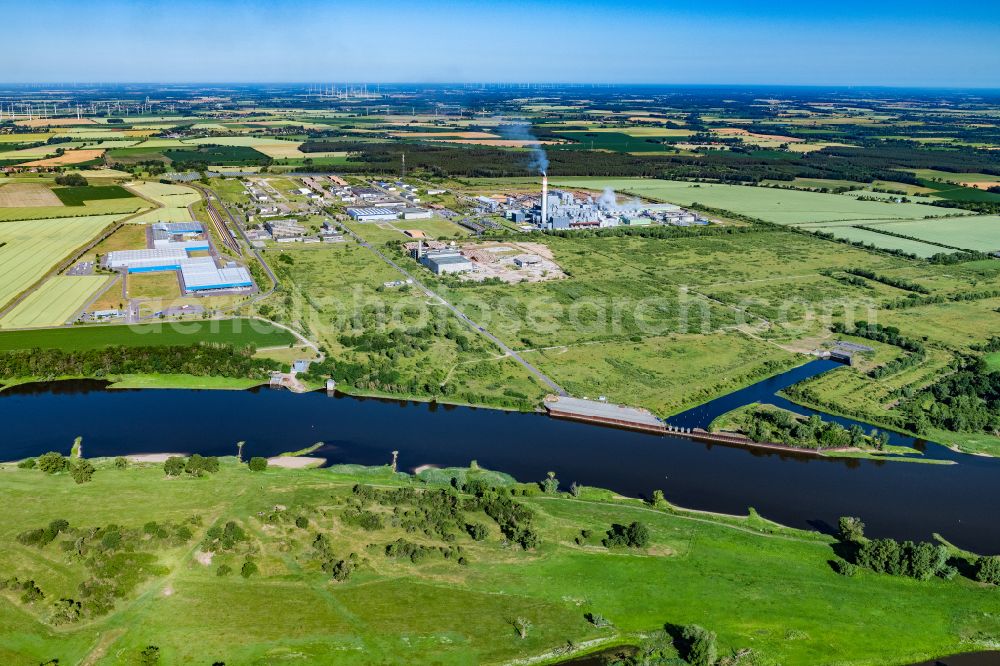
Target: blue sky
(848,42)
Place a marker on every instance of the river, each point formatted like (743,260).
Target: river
(897,499)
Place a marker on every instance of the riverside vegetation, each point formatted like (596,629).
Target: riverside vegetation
(149,561)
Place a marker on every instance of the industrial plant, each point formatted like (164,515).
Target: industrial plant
(561,209)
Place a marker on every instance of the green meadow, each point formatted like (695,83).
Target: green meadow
(758,585)
(239,332)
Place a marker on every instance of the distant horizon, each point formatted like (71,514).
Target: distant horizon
(894,44)
(497,85)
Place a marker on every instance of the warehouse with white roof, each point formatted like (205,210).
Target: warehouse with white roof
(196,273)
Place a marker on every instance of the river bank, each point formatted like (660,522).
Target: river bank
(801,491)
(749,579)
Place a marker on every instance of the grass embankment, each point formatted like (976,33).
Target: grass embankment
(757,584)
(301,452)
(183,382)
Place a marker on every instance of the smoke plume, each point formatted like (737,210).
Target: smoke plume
(522,132)
(609,200)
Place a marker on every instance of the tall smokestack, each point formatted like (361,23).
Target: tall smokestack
(545,199)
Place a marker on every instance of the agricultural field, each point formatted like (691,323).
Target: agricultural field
(170,196)
(79,196)
(729,573)
(980,232)
(175,200)
(883,241)
(55,302)
(228,155)
(27,195)
(31,248)
(38,199)
(238,332)
(70,157)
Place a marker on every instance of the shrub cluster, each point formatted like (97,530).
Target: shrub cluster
(633,535)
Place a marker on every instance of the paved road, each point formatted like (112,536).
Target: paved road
(462,316)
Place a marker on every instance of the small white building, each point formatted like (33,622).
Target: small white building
(417,214)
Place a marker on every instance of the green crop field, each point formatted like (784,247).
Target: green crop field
(959,193)
(79,196)
(616,141)
(756,584)
(55,302)
(135,155)
(31,248)
(228,155)
(89,209)
(883,241)
(772,205)
(222,331)
(980,232)
(178,214)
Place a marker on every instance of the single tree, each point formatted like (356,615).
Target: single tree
(852,529)
(257,464)
(700,646)
(82,471)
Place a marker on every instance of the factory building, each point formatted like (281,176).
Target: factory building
(441,262)
(416,214)
(201,274)
(285,229)
(372,214)
(145,261)
(188,236)
(367,192)
(559,209)
(196,273)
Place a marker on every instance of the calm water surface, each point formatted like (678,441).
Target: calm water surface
(901,500)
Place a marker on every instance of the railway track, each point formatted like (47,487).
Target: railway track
(224,232)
